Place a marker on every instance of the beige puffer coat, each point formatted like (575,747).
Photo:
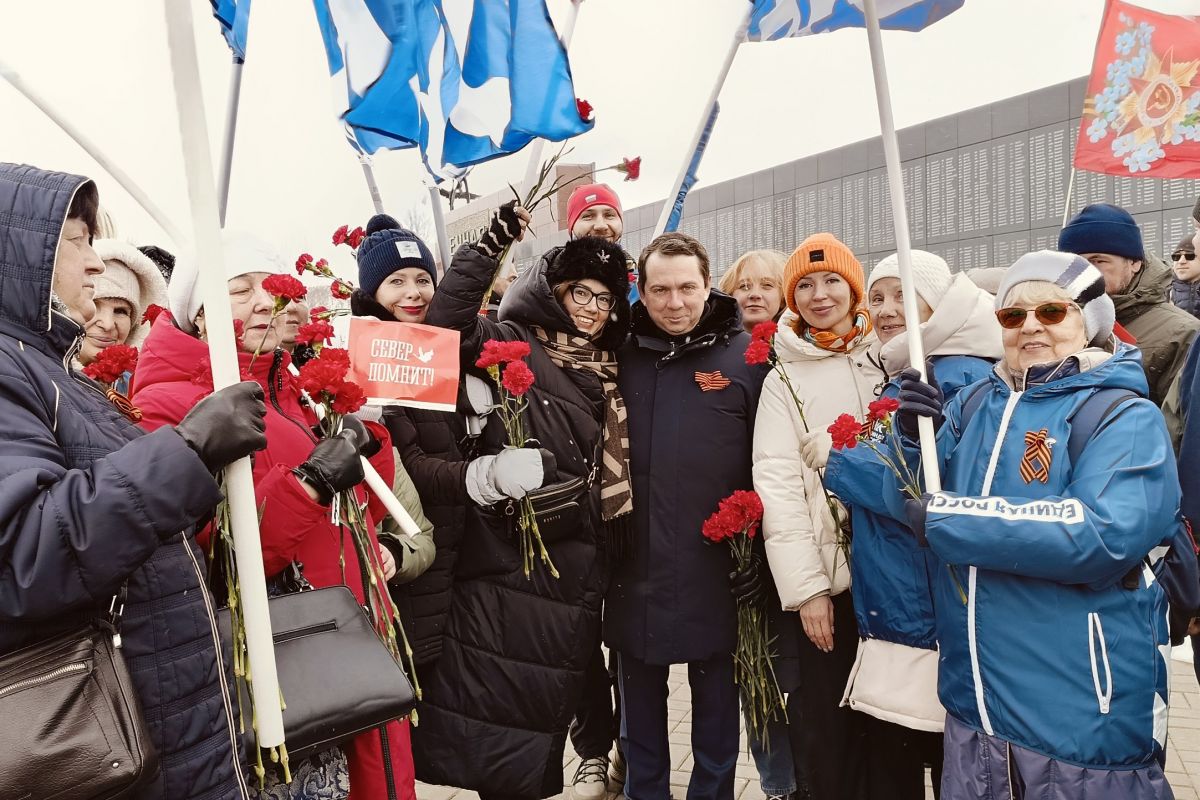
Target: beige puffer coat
(799,531)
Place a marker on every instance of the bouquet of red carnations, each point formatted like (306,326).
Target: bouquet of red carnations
(737,520)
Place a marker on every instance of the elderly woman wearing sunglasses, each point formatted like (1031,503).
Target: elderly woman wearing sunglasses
(1052,631)
(1185,289)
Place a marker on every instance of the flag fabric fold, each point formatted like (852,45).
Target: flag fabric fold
(1141,114)
(464,80)
(781,19)
(234,16)
(689,180)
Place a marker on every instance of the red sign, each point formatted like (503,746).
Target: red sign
(404,364)
(1141,116)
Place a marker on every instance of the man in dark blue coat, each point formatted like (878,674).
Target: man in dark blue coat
(88,503)
(691,399)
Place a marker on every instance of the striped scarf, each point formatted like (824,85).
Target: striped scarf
(576,352)
(828,340)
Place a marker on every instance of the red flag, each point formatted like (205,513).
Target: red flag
(1142,112)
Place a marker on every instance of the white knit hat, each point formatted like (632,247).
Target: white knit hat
(243,253)
(130,276)
(1082,282)
(930,273)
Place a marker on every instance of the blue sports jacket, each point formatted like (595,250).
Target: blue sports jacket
(891,577)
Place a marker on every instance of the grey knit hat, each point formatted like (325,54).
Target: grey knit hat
(1082,282)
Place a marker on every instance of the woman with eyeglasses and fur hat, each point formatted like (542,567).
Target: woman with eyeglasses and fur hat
(511,673)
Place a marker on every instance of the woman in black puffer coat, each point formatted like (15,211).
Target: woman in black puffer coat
(497,709)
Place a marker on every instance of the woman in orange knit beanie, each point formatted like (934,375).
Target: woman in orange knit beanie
(822,345)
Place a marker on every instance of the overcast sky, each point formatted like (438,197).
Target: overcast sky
(645,65)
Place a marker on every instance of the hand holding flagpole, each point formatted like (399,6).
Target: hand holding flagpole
(891,154)
(239,480)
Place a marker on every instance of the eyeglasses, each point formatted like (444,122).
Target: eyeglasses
(1046,313)
(1182,256)
(583,295)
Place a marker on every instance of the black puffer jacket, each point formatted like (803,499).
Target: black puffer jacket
(87,500)
(434,449)
(1186,295)
(497,709)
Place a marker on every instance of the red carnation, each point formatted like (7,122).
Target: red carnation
(517,378)
(284,288)
(584,108)
(316,332)
(319,312)
(304,263)
(339,236)
(715,528)
(765,331)
(355,237)
(632,167)
(758,352)
(340,290)
(881,408)
(239,330)
(111,363)
(348,397)
(496,352)
(748,509)
(845,430)
(152,312)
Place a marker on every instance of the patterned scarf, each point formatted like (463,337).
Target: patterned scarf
(828,340)
(576,352)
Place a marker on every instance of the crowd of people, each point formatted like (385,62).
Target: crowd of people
(1008,632)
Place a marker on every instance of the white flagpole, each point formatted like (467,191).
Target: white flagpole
(891,155)
(231,115)
(439,224)
(239,481)
(372,186)
(90,147)
(739,36)
(534,165)
(1070,195)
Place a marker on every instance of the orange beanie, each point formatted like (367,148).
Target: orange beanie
(823,252)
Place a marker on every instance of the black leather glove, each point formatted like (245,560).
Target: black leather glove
(918,399)
(226,425)
(503,231)
(332,466)
(368,445)
(915,510)
(750,584)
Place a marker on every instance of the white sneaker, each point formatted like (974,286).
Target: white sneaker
(591,779)
(616,768)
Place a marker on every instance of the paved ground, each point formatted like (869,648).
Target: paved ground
(1183,756)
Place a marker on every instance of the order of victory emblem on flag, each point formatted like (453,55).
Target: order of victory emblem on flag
(1142,112)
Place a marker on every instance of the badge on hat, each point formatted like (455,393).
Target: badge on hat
(407,248)
(816,256)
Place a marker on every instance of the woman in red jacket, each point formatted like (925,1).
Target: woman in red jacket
(297,474)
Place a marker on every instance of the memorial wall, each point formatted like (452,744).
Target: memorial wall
(982,187)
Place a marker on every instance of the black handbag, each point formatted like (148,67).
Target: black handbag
(559,508)
(337,676)
(72,725)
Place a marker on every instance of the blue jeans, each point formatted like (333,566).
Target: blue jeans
(776,770)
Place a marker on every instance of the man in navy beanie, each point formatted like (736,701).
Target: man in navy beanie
(1139,285)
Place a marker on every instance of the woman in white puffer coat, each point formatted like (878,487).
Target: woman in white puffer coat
(822,344)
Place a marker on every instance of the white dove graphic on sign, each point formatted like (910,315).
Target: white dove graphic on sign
(424,356)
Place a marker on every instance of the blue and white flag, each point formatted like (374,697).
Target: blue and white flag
(779,19)
(234,16)
(464,80)
(689,179)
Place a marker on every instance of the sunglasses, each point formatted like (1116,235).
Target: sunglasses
(1046,313)
(1182,256)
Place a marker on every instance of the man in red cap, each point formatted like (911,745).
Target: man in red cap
(595,210)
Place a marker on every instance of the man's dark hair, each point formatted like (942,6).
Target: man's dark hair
(674,244)
(85,205)
(161,258)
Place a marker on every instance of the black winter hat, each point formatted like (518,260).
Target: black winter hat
(591,257)
(387,248)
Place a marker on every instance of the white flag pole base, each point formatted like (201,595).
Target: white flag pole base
(912,315)
(380,489)
(239,478)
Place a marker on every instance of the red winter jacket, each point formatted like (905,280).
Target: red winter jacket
(173,375)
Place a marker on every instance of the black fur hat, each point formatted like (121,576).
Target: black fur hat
(590,257)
